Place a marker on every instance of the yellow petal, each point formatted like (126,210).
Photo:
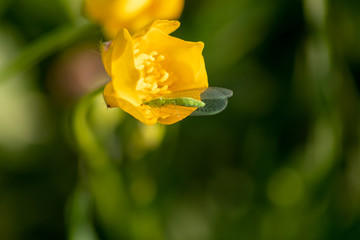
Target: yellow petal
(106,56)
(160,9)
(114,15)
(121,91)
(110,95)
(129,9)
(172,114)
(183,59)
(140,113)
(123,72)
(165,9)
(166,26)
(170,120)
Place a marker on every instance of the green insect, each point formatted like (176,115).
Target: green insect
(213,101)
(165,101)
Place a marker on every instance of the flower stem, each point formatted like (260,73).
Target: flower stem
(104,180)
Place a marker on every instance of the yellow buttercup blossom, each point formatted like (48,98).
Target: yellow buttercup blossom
(151,64)
(114,15)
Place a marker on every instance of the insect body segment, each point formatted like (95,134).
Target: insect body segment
(185,102)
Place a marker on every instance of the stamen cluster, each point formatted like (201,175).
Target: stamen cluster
(153,77)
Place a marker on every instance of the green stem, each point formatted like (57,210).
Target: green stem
(105,181)
(79,209)
(35,52)
(87,143)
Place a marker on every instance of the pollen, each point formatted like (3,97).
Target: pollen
(154,79)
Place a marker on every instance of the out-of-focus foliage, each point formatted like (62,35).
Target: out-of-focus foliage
(281,162)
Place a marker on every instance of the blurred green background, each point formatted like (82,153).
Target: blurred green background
(281,162)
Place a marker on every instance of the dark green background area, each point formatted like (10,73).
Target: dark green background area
(281,162)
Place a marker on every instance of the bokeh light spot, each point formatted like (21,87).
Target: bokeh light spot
(285,187)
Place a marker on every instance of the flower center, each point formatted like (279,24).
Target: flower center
(153,78)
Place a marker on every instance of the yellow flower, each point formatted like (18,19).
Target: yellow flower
(114,15)
(151,64)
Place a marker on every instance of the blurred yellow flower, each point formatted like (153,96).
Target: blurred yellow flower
(151,64)
(114,15)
